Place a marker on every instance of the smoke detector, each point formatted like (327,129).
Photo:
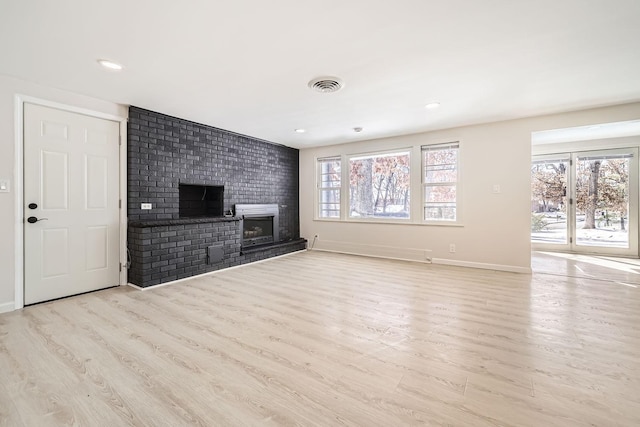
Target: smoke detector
(326,84)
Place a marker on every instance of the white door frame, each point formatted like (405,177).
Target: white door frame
(571,155)
(18,188)
(632,226)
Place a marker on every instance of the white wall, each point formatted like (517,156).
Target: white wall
(496,227)
(9,88)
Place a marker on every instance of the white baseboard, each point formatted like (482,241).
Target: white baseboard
(418,255)
(210,273)
(7,307)
(482,265)
(424,261)
(376,251)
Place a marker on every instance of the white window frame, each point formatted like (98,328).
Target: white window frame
(346,207)
(417,178)
(321,189)
(425,184)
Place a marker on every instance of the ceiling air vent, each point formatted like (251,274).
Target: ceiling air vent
(326,84)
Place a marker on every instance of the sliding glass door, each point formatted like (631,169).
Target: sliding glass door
(549,200)
(586,202)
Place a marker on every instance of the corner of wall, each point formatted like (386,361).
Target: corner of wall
(6,307)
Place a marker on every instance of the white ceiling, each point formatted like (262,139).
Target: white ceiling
(244,65)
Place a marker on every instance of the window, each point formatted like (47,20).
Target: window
(440,181)
(379,186)
(329,184)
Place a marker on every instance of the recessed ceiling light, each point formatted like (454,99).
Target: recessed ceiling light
(300,130)
(109,64)
(432,105)
(357,129)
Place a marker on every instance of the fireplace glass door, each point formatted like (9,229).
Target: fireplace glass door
(257,230)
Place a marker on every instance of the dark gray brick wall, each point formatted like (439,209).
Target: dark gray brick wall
(164,253)
(164,151)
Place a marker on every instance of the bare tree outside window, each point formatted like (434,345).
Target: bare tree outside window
(602,191)
(594,212)
(440,181)
(379,186)
(329,184)
(549,186)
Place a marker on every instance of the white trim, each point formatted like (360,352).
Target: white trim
(20,100)
(425,261)
(210,273)
(123,197)
(395,222)
(18,298)
(7,307)
(376,251)
(571,158)
(416,210)
(457,183)
(482,265)
(69,108)
(319,188)
(345,197)
(380,154)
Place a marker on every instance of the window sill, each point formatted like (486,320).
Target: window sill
(396,222)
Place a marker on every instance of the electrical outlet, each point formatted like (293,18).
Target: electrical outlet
(145,206)
(452,248)
(496,188)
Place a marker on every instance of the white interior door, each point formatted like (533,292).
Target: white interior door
(71,197)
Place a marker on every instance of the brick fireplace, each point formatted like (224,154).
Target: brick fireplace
(259,224)
(192,175)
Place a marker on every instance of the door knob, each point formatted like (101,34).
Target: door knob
(33,219)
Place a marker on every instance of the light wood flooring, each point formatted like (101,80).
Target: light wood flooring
(321,339)
(603,268)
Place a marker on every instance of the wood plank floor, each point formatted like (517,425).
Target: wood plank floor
(597,267)
(321,339)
